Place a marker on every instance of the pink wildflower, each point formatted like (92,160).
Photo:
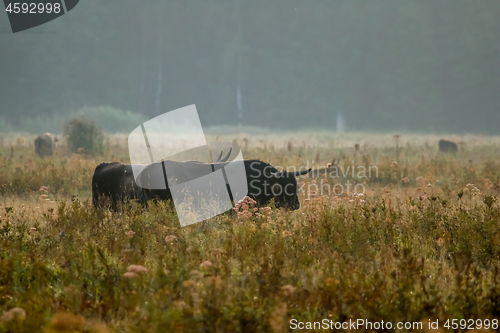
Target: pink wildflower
(288,290)
(129,274)
(137,269)
(170,238)
(205,264)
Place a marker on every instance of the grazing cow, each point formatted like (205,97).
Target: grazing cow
(447,146)
(45,144)
(116,181)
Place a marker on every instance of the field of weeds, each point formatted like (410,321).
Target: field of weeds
(417,240)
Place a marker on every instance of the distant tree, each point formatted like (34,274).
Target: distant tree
(83,136)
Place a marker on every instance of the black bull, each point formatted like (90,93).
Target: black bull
(264,183)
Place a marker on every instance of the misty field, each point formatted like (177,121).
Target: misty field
(419,241)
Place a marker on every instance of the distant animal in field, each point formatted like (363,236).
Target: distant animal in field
(45,145)
(264,182)
(447,146)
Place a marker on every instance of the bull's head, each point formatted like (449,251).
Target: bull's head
(284,187)
(287,180)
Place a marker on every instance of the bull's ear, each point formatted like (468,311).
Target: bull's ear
(300,172)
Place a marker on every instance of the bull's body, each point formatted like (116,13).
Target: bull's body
(264,182)
(45,145)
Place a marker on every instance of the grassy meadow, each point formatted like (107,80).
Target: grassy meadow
(421,242)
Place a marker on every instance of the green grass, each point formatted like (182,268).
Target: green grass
(409,250)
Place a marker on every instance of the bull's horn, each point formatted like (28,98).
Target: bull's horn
(295,173)
(300,172)
(218,158)
(227,156)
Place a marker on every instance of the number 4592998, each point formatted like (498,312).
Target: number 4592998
(33,8)
(471,324)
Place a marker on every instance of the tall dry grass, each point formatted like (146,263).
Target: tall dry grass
(422,243)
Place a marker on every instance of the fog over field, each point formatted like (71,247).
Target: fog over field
(420,66)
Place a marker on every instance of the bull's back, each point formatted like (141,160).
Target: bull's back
(113,180)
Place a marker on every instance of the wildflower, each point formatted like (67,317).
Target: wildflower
(130,233)
(215,281)
(406,180)
(195,274)
(424,197)
(330,282)
(245,215)
(288,290)
(251,201)
(43,196)
(129,274)
(277,319)
(99,328)
(188,283)
(205,264)
(44,188)
(14,313)
(34,232)
(137,269)
(29,164)
(170,238)
(440,241)
(394,164)
(66,322)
